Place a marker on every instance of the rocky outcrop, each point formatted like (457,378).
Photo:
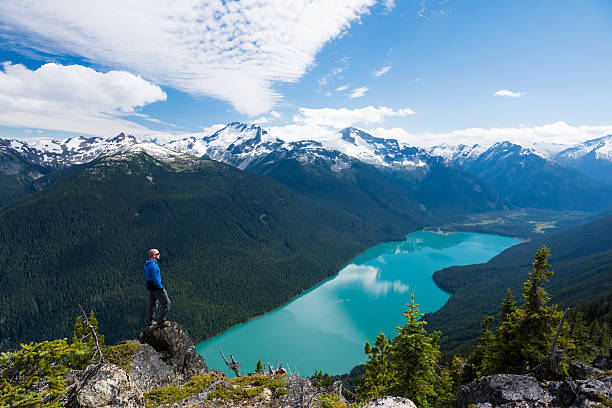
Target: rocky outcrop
(524,391)
(175,348)
(504,391)
(104,386)
(149,371)
(390,402)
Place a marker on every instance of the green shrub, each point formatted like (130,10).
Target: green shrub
(330,400)
(33,376)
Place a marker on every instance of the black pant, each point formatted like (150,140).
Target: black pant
(161,296)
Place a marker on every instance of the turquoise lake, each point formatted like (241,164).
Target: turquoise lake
(327,327)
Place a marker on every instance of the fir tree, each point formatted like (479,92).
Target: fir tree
(259,368)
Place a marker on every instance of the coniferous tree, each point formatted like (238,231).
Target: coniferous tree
(407,366)
(524,336)
(414,356)
(379,376)
(259,367)
(474,364)
(508,306)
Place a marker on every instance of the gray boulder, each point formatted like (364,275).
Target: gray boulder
(175,348)
(390,402)
(579,371)
(149,371)
(104,386)
(504,391)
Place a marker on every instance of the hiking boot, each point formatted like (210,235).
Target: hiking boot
(163,323)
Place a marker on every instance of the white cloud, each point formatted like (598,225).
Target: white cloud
(389,5)
(509,94)
(275,114)
(358,92)
(231,50)
(322,126)
(382,71)
(555,133)
(342,88)
(260,121)
(73,98)
(343,117)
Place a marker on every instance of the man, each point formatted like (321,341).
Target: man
(157,292)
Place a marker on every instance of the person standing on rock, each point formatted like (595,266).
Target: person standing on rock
(157,292)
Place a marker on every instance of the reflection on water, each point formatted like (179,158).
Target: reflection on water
(369,279)
(326,328)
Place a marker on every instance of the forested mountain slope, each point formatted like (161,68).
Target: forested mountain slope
(581,258)
(233,245)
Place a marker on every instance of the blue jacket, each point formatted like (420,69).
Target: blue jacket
(152,275)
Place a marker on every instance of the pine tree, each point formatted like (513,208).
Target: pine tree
(379,376)
(259,367)
(524,336)
(406,366)
(508,306)
(474,365)
(414,356)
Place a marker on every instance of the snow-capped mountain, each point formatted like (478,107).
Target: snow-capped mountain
(600,149)
(236,144)
(593,157)
(241,145)
(57,153)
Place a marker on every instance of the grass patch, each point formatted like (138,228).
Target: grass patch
(250,387)
(122,354)
(172,394)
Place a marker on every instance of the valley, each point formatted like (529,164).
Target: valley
(249,221)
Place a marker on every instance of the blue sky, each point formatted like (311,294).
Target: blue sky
(423,71)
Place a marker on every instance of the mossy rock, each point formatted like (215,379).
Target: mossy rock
(122,354)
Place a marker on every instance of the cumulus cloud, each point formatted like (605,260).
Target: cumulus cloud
(358,92)
(509,94)
(382,71)
(343,117)
(73,98)
(231,50)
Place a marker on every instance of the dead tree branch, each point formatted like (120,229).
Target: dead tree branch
(95,336)
(554,357)
(234,365)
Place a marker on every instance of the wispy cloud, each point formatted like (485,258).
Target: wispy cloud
(234,51)
(73,98)
(358,92)
(382,71)
(341,118)
(342,88)
(509,94)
